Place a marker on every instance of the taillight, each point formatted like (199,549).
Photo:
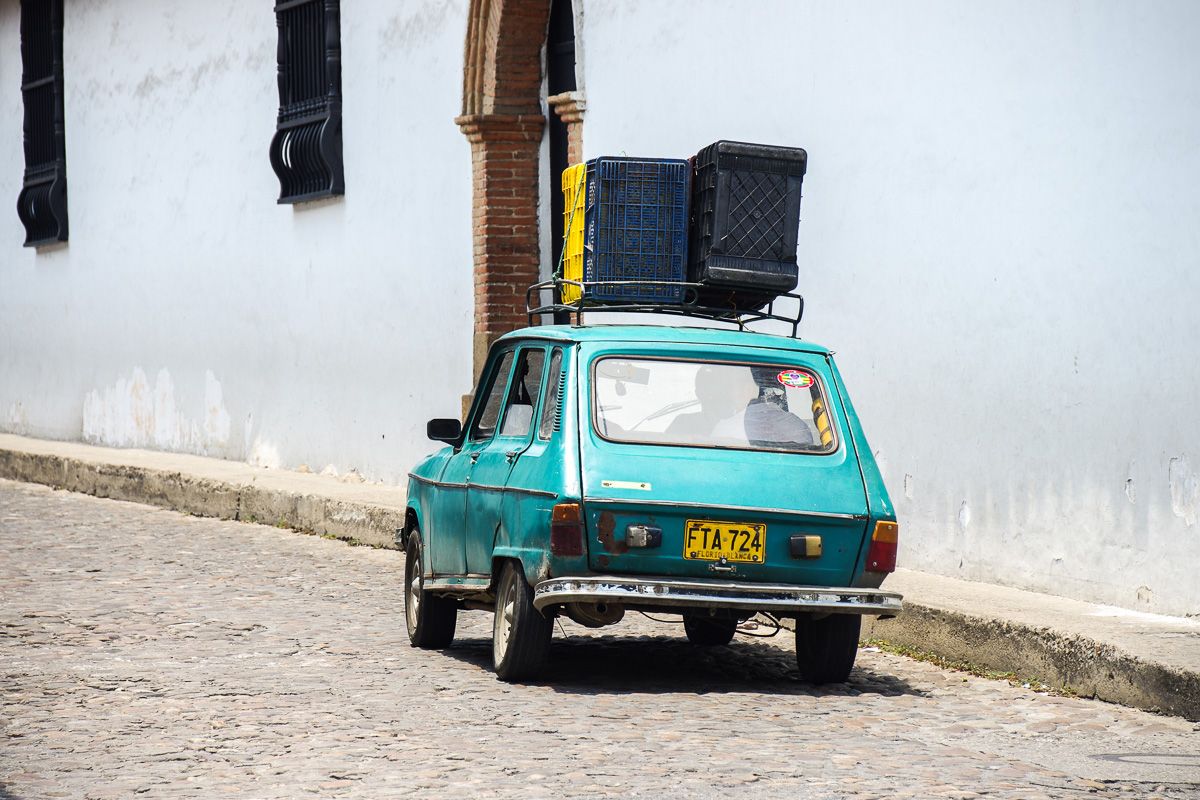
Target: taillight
(882,555)
(566,530)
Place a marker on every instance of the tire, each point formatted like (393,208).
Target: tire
(430,619)
(709,631)
(826,647)
(520,634)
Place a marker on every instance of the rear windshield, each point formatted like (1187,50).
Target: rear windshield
(711,404)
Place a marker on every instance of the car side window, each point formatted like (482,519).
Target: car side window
(485,423)
(523,393)
(551,407)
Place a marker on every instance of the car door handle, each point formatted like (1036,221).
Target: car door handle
(474,457)
(511,455)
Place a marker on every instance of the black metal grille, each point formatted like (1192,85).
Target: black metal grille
(306,152)
(42,203)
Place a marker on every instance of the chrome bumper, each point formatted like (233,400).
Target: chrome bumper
(774,597)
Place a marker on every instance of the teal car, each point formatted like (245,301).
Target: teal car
(712,474)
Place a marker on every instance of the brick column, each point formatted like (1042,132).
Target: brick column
(504,163)
(569,106)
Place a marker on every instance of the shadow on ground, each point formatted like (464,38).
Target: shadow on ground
(641,664)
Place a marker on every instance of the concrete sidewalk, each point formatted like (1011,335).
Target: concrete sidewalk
(1143,660)
(211,487)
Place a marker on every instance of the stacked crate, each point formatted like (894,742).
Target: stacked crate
(574,187)
(744,222)
(634,228)
(628,220)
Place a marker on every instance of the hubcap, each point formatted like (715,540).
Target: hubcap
(502,627)
(413,597)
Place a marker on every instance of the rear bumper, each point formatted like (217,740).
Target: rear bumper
(657,593)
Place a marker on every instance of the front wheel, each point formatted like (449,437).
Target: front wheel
(826,647)
(430,619)
(520,634)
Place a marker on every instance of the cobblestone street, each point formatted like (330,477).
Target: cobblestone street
(146,652)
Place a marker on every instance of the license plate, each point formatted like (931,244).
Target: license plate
(706,540)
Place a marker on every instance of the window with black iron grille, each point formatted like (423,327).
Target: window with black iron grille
(306,152)
(42,203)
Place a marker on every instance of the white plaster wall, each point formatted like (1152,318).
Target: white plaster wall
(189,311)
(1001,237)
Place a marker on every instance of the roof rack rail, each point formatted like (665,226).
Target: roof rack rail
(536,304)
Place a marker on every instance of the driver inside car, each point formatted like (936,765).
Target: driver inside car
(723,395)
(768,423)
(734,411)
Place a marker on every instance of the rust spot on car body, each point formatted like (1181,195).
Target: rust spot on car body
(606,526)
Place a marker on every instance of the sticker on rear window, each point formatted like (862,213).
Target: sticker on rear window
(795,379)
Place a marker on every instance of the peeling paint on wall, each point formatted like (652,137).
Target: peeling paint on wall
(132,413)
(216,417)
(1185,489)
(403,31)
(264,454)
(16,421)
(247,434)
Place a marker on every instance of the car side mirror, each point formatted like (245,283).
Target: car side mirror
(444,430)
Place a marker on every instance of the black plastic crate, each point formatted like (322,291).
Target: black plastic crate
(636,219)
(744,221)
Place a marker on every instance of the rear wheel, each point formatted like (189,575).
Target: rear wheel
(826,647)
(430,619)
(709,631)
(520,634)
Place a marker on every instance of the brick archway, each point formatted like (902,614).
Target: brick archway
(502,119)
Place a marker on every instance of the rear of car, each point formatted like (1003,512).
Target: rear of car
(722,480)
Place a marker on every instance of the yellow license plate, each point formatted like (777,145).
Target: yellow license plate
(706,540)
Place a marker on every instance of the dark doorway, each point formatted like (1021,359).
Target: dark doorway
(560,77)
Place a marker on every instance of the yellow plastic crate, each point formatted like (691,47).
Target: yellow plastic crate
(574,184)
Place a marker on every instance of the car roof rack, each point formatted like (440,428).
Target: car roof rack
(536,303)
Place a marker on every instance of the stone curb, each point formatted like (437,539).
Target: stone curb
(309,513)
(1087,667)
(1076,663)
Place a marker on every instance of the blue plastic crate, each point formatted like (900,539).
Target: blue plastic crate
(636,220)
